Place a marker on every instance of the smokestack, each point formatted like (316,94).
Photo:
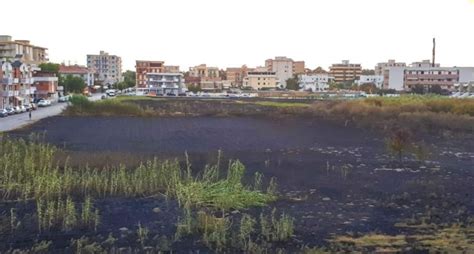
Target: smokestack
(434,52)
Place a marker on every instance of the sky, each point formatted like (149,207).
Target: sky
(230,33)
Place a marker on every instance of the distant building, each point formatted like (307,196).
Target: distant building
(261,78)
(203,71)
(108,68)
(236,75)
(377,80)
(15,83)
(345,72)
(22,50)
(381,67)
(425,75)
(46,85)
(82,72)
(313,82)
(284,68)
(165,83)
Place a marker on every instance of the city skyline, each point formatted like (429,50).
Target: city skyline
(231,34)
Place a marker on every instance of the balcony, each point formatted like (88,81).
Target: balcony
(7,81)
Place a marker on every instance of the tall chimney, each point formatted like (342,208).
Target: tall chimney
(434,52)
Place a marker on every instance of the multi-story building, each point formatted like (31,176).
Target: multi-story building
(313,82)
(203,71)
(261,78)
(380,68)
(82,72)
(148,70)
(108,68)
(236,75)
(165,83)
(345,72)
(284,68)
(428,77)
(142,68)
(377,80)
(46,85)
(15,83)
(22,50)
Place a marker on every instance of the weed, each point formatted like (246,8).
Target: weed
(142,234)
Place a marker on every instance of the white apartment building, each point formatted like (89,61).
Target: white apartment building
(381,67)
(314,82)
(284,68)
(377,80)
(108,68)
(166,83)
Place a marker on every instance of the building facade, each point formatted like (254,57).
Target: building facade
(261,79)
(142,68)
(284,68)
(236,75)
(203,71)
(165,83)
(313,82)
(377,80)
(82,72)
(46,85)
(381,67)
(445,77)
(345,72)
(15,83)
(108,68)
(22,50)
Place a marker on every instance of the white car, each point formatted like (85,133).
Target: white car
(44,103)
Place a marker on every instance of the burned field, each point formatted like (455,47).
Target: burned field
(338,187)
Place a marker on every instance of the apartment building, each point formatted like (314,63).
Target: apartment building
(165,83)
(380,68)
(15,83)
(236,75)
(313,82)
(345,72)
(142,68)
(261,79)
(377,80)
(45,85)
(22,50)
(82,72)
(284,68)
(427,76)
(108,68)
(203,71)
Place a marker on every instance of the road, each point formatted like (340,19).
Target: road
(17,121)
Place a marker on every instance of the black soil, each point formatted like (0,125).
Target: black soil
(333,178)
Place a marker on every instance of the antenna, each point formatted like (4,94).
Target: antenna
(434,53)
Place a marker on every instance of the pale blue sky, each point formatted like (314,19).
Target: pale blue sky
(228,33)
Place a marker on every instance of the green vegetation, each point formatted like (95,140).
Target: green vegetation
(73,84)
(81,106)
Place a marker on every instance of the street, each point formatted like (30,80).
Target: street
(20,120)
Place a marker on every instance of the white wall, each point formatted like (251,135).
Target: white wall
(466,74)
(395,78)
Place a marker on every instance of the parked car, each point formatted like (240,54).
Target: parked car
(10,111)
(63,99)
(44,103)
(3,113)
(17,109)
(111,94)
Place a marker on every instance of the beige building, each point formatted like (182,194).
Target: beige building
(284,68)
(30,54)
(203,71)
(261,78)
(345,72)
(108,68)
(383,69)
(236,75)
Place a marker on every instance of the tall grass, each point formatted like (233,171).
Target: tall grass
(81,106)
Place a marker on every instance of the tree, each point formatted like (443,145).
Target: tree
(50,67)
(74,84)
(194,88)
(369,88)
(418,89)
(292,83)
(435,89)
(129,78)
